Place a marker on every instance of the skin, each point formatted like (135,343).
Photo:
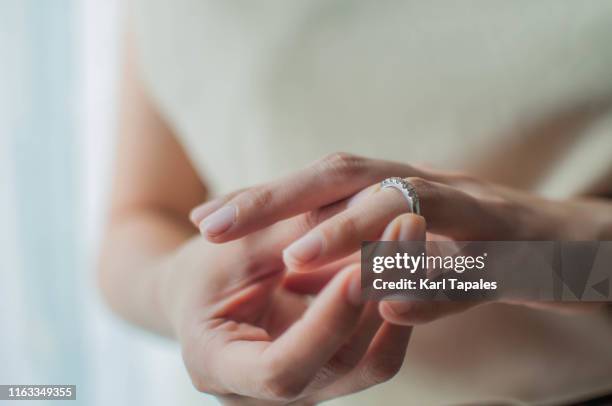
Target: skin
(480,211)
(248,334)
(236,299)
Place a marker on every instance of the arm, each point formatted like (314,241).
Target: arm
(241,333)
(149,208)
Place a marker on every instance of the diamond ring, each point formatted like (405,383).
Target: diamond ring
(407,190)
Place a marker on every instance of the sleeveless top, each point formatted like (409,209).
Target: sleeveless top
(515,92)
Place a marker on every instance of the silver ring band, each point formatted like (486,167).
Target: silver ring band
(407,190)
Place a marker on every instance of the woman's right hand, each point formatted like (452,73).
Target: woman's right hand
(249,340)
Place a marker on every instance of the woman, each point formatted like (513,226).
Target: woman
(509,101)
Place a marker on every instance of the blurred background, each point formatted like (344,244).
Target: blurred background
(58,71)
(58,84)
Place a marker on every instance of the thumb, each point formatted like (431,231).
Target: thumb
(402,227)
(409,227)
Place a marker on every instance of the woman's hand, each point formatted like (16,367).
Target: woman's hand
(249,340)
(455,206)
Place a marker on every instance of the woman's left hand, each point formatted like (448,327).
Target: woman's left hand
(455,206)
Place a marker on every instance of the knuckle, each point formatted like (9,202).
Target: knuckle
(274,382)
(381,369)
(344,226)
(258,197)
(337,157)
(343,361)
(200,385)
(310,220)
(342,164)
(341,231)
(276,388)
(203,384)
(421,185)
(197,345)
(426,190)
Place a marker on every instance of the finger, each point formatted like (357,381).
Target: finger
(410,313)
(333,178)
(216,353)
(381,362)
(312,341)
(344,233)
(200,212)
(313,282)
(259,254)
(349,355)
(310,283)
(448,211)
(416,312)
(273,240)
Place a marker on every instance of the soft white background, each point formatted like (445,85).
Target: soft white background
(58,73)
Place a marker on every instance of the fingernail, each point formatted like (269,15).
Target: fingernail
(354,294)
(219,222)
(199,213)
(305,249)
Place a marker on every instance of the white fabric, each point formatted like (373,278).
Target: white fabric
(516,92)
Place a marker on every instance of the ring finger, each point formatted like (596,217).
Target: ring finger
(343,233)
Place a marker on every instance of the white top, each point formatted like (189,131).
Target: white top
(517,92)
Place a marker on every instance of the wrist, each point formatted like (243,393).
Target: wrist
(165,292)
(179,279)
